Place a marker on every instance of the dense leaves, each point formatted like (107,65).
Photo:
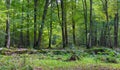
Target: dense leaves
(59,24)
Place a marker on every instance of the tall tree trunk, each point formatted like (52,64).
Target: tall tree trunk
(107,36)
(107,25)
(42,24)
(7,37)
(95,35)
(50,32)
(35,22)
(14,27)
(90,35)
(63,24)
(116,25)
(58,13)
(106,13)
(65,20)
(73,21)
(85,20)
(28,18)
(21,26)
(103,38)
(116,30)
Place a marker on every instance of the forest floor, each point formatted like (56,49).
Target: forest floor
(84,59)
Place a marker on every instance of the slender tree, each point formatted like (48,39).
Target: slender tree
(108,37)
(116,21)
(28,21)
(21,26)
(63,24)
(51,21)
(85,20)
(58,13)
(73,21)
(35,22)
(65,20)
(7,37)
(90,34)
(13,42)
(42,24)
(103,38)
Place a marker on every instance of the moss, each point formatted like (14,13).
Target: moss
(5,51)
(42,51)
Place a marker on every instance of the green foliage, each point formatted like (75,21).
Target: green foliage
(55,60)
(16,17)
(101,51)
(28,67)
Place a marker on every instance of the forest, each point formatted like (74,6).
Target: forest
(59,35)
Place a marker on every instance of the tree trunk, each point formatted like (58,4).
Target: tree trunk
(116,30)
(107,25)
(73,21)
(7,37)
(90,35)
(50,32)
(28,18)
(65,20)
(35,22)
(116,26)
(21,27)
(63,24)
(58,13)
(13,42)
(42,24)
(85,20)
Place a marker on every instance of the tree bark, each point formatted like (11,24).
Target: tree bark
(42,24)
(116,30)
(35,22)
(28,18)
(107,25)
(63,24)
(13,42)
(73,21)
(50,32)
(90,34)
(21,27)
(7,37)
(65,20)
(85,20)
(116,26)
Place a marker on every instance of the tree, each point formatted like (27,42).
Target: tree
(90,34)
(13,40)
(35,23)
(28,21)
(85,20)
(116,21)
(63,25)
(107,26)
(42,24)
(73,21)
(21,26)
(7,37)
(105,33)
(65,21)
(51,19)
(59,23)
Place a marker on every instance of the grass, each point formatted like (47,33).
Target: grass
(50,61)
